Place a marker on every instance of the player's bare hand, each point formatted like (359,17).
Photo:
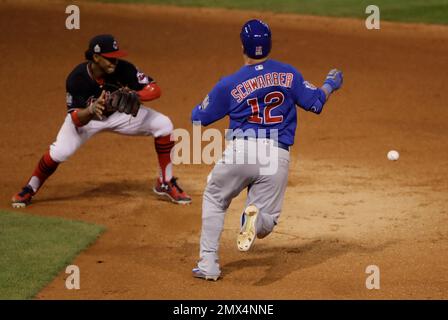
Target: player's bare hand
(97,106)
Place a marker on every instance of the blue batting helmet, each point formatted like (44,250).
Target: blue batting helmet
(256,39)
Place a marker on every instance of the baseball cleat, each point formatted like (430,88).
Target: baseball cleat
(172,191)
(197,273)
(22,198)
(248,232)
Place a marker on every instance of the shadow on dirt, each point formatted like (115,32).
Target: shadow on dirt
(123,188)
(282,261)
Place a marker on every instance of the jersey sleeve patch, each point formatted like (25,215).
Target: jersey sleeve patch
(309,85)
(142,78)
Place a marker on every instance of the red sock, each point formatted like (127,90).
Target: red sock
(164,145)
(44,169)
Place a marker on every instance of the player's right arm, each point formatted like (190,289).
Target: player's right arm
(81,117)
(81,105)
(214,107)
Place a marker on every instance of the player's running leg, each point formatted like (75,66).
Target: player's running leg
(224,183)
(263,204)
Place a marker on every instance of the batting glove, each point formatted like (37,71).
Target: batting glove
(334,79)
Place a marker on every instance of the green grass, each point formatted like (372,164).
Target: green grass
(427,11)
(33,250)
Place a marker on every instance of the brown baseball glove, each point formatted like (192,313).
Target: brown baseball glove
(123,100)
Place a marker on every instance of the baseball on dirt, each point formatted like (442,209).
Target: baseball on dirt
(393,155)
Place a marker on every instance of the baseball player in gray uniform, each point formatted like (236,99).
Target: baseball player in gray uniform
(260,100)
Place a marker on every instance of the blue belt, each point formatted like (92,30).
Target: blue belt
(278,144)
(282,146)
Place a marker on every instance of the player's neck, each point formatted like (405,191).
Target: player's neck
(249,61)
(97,72)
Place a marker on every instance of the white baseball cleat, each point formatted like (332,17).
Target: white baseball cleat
(197,273)
(248,232)
(18,205)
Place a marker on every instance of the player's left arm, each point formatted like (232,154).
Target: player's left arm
(145,86)
(213,108)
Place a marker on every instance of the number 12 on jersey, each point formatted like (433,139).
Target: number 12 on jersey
(271,101)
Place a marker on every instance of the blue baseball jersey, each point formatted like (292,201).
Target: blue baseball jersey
(261,96)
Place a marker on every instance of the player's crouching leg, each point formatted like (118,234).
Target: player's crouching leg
(161,126)
(166,184)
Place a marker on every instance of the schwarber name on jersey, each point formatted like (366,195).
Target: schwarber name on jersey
(261,96)
(82,87)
